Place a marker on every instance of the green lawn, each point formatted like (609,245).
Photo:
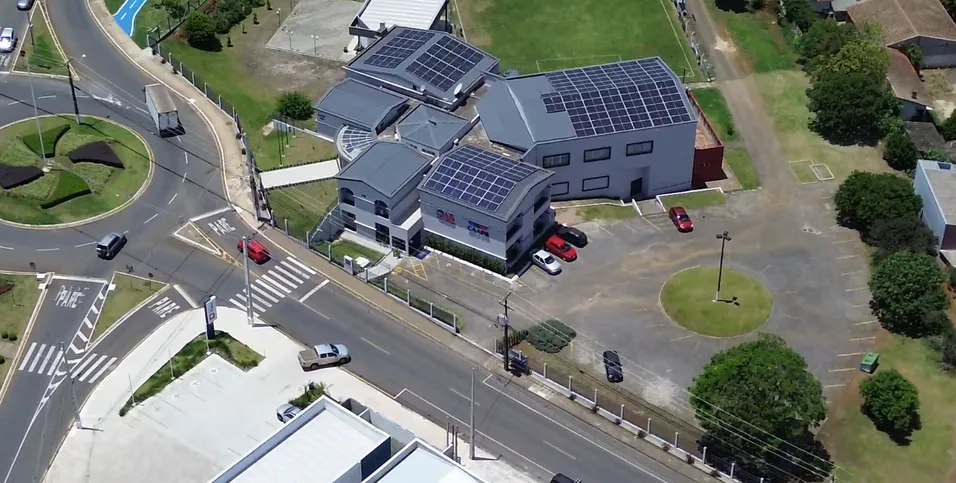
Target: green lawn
(188,357)
(692,201)
(150,16)
(341,248)
(688,299)
(16,306)
(712,102)
(303,205)
(758,40)
(111,187)
(129,292)
(606,212)
(869,455)
(739,162)
(533,35)
(43,56)
(114,5)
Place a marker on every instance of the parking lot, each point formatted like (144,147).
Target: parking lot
(813,269)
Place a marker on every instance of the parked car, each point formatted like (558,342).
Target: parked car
(612,366)
(574,236)
(257,251)
(324,355)
(286,412)
(24,5)
(679,216)
(8,40)
(562,478)
(547,263)
(110,245)
(561,248)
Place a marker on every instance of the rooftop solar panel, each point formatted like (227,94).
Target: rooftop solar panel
(477,177)
(445,63)
(399,48)
(616,97)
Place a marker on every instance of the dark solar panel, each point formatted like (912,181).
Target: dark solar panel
(445,63)
(617,97)
(399,48)
(477,177)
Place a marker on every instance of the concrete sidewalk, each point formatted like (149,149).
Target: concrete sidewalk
(214,413)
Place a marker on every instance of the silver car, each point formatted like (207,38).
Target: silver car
(547,262)
(24,5)
(8,40)
(286,412)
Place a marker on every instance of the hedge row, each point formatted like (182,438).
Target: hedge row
(469,255)
(51,136)
(69,186)
(550,336)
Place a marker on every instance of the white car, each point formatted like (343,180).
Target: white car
(286,412)
(547,262)
(8,40)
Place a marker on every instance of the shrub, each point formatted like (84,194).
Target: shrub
(50,137)
(310,393)
(891,402)
(230,12)
(2,359)
(454,249)
(945,344)
(900,152)
(69,186)
(948,127)
(201,31)
(550,336)
(15,153)
(12,337)
(4,335)
(295,105)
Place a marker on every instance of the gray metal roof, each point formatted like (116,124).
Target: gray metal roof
(430,127)
(942,183)
(518,100)
(398,73)
(162,101)
(385,166)
(423,464)
(359,103)
(455,162)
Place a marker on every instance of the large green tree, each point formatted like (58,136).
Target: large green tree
(800,13)
(864,198)
(850,108)
(899,152)
(864,54)
(948,127)
(906,233)
(907,289)
(201,31)
(295,105)
(755,398)
(823,39)
(891,402)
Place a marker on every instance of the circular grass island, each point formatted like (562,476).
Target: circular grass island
(66,172)
(688,299)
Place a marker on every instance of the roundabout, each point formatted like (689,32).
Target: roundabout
(56,173)
(688,300)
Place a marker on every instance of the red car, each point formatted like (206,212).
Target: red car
(561,249)
(681,220)
(257,251)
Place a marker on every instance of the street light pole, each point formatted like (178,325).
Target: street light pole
(36,111)
(33,42)
(471,418)
(76,407)
(504,321)
(290,38)
(724,238)
(315,49)
(245,268)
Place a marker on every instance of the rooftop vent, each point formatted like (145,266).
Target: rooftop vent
(914,94)
(945,166)
(432,122)
(510,73)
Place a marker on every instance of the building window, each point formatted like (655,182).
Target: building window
(428,152)
(514,228)
(348,219)
(398,243)
(645,147)
(558,189)
(382,233)
(556,160)
(600,154)
(591,184)
(541,201)
(346,196)
(381,209)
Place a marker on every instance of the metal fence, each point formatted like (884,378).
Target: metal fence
(168,25)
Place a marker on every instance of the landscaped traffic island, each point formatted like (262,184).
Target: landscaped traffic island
(688,299)
(65,172)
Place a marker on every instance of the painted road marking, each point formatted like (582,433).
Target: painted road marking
(101,371)
(47,249)
(862,338)
(834,385)
(275,284)
(46,360)
(258,298)
(855,289)
(26,358)
(466,398)
(375,346)
(866,322)
(254,305)
(301,265)
(243,307)
(173,198)
(843,370)
(266,286)
(559,450)
(84,244)
(850,354)
(93,367)
(314,290)
(292,268)
(845,257)
(298,281)
(56,363)
(264,293)
(278,278)
(5,248)
(221,226)
(151,218)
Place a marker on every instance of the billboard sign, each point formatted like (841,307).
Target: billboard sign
(445,217)
(478,228)
(209,307)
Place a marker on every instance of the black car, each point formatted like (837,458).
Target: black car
(24,5)
(562,478)
(110,245)
(572,235)
(612,366)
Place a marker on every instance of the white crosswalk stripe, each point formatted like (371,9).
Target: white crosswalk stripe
(56,363)
(46,360)
(277,276)
(276,284)
(257,298)
(266,286)
(83,364)
(93,367)
(288,273)
(293,268)
(101,371)
(302,266)
(242,306)
(254,305)
(264,293)
(36,360)
(49,359)
(26,358)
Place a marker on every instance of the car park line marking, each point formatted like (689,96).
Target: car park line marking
(847,257)
(266,286)
(375,346)
(855,289)
(264,293)
(559,450)
(850,354)
(867,322)
(287,273)
(463,396)
(276,284)
(314,290)
(843,370)
(301,265)
(862,338)
(47,249)
(173,198)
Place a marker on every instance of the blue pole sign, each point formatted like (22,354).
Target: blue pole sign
(209,307)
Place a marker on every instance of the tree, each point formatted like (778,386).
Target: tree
(766,384)
(862,54)
(948,127)
(945,344)
(823,39)
(295,105)
(900,152)
(201,31)
(906,287)
(914,53)
(891,402)
(851,108)
(906,233)
(936,155)
(800,13)
(863,198)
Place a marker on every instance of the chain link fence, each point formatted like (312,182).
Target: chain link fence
(175,15)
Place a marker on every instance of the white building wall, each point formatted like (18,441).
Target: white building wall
(668,168)
(931,213)
(364,208)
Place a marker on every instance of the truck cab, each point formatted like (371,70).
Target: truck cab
(323,355)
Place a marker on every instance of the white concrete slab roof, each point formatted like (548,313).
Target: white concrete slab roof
(406,13)
(303,173)
(426,466)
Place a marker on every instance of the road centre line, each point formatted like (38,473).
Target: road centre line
(862,338)
(843,370)
(5,248)
(375,346)
(47,249)
(151,218)
(850,354)
(173,198)
(463,396)
(866,322)
(559,450)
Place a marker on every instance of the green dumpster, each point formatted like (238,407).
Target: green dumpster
(869,362)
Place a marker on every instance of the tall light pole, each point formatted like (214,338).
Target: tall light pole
(76,407)
(724,238)
(290,38)
(33,42)
(36,111)
(315,49)
(471,418)
(245,268)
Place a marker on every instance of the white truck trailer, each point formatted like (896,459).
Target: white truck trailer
(163,111)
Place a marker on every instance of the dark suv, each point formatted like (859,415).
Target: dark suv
(110,245)
(612,366)
(24,5)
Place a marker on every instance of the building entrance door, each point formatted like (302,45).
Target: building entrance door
(637,188)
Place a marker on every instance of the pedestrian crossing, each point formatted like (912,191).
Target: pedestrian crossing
(271,287)
(44,359)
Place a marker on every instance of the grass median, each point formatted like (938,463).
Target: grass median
(606,212)
(743,168)
(18,298)
(694,201)
(42,53)
(129,292)
(712,102)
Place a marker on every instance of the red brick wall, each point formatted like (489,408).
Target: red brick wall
(708,164)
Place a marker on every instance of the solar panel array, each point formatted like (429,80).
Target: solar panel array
(616,97)
(399,48)
(445,63)
(477,177)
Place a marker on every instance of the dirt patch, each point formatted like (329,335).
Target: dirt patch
(467,9)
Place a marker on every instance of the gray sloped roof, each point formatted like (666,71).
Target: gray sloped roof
(502,119)
(430,127)
(359,103)
(385,166)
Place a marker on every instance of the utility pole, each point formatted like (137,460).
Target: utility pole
(504,321)
(76,107)
(36,111)
(724,238)
(245,267)
(33,42)
(76,407)
(471,418)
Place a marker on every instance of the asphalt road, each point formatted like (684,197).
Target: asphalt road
(11,17)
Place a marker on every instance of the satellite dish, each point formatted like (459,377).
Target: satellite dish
(457,91)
